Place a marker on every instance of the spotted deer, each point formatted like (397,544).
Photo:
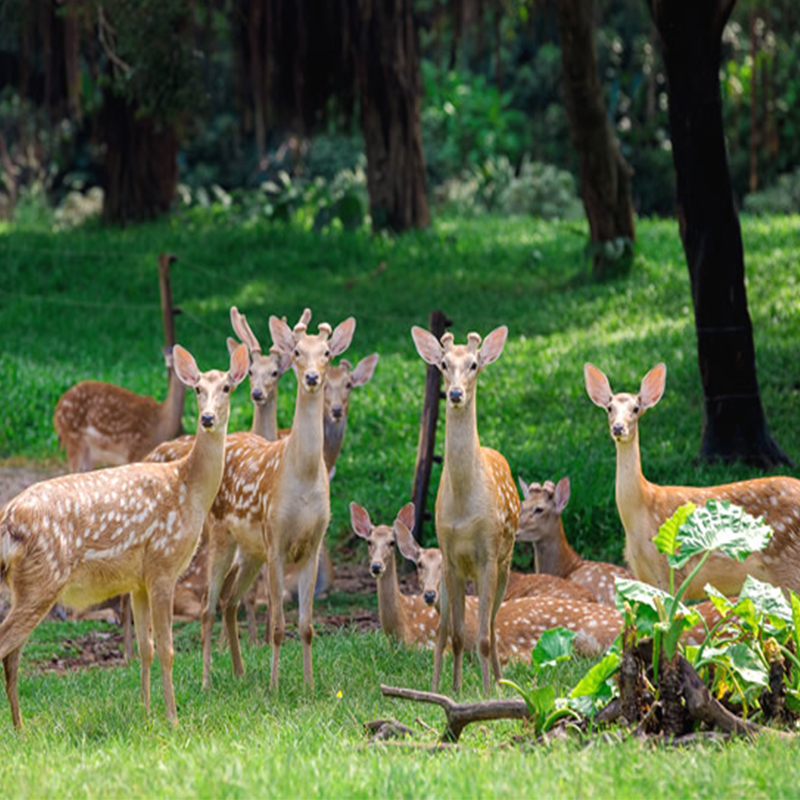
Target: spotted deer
(540,523)
(477,506)
(82,538)
(520,621)
(103,425)
(273,505)
(644,506)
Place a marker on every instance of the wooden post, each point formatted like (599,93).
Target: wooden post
(427,433)
(168,313)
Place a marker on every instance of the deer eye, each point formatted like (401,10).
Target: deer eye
(327,354)
(474,366)
(444,365)
(226,388)
(538,510)
(636,409)
(349,385)
(275,373)
(250,372)
(608,408)
(197,389)
(297,354)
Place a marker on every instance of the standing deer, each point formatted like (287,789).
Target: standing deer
(540,523)
(82,538)
(103,425)
(644,506)
(477,506)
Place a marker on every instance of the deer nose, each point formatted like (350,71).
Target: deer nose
(336,412)
(312,378)
(429,597)
(375,568)
(207,420)
(456,395)
(257,395)
(617,429)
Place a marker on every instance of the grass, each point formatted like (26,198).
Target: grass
(85,304)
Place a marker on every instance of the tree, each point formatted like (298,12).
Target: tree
(604,174)
(734,426)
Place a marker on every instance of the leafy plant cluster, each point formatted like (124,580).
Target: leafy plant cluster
(748,658)
(783,197)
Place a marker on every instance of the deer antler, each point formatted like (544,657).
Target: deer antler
(243,330)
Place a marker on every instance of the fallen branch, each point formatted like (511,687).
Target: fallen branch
(459,715)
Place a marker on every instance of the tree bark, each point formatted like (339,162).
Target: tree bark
(141,163)
(604,173)
(735,426)
(387,66)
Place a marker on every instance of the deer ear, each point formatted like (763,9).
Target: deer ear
(652,388)
(561,495)
(185,366)
(364,370)
(359,519)
(407,515)
(492,346)
(405,541)
(428,346)
(526,492)
(282,336)
(342,336)
(232,345)
(240,364)
(597,385)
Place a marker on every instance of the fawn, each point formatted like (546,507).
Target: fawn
(82,538)
(540,523)
(101,425)
(477,506)
(644,506)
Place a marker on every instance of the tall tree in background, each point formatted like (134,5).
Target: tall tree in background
(735,426)
(604,174)
(387,69)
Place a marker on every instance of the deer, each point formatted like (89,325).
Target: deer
(477,505)
(82,538)
(643,506)
(273,505)
(540,523)
(413,620)
(103,425)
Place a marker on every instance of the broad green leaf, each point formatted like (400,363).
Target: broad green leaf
(595,682)
(719,600)
(666,540)
(767,599)
(793,700)
(795,601)
(543,699)
(554,646)
(720,525)
(747,664)
(648,599)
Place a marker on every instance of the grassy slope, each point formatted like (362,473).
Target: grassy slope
(85,304)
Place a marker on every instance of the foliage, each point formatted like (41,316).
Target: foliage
(783,197)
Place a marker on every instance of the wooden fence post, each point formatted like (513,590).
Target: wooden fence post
(439,322)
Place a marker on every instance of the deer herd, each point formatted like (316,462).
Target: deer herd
(214,515)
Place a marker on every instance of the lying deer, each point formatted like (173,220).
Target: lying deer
(477,506)
(83,538)
(644,506)
(540,523)
(103,425)
(413,619)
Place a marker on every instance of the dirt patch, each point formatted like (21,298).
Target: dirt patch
(95,649)
(16,477)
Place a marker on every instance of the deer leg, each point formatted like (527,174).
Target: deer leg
(144,636)
(249,600)
(442,632)
(11,669)
(247,568)
(162,595)
(457,592)
(307,584)
(487,588)
(219,561)
(502,582)
(277,622)
(126,619)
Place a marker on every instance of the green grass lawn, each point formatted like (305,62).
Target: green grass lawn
(84,304)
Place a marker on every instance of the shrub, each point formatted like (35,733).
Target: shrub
(782,197)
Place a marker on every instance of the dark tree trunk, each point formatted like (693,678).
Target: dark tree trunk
(604,174)
(141,163)
(735,426)
(387,64)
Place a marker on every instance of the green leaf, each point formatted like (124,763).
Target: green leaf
(646,599)
(720,525)
(719,600)
(795,601)
(747,664)
(767,599)
(667,538)
(595,682)
(553,647)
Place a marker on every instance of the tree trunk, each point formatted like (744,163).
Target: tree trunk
(735,426)
(141,163)
(604,174)
(387,64)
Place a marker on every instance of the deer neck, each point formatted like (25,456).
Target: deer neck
(631,486)
(555,556)
(171,410)
(334,436)
(390,603)
(204,465)
(304,448)
(462,449)
(265,419)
